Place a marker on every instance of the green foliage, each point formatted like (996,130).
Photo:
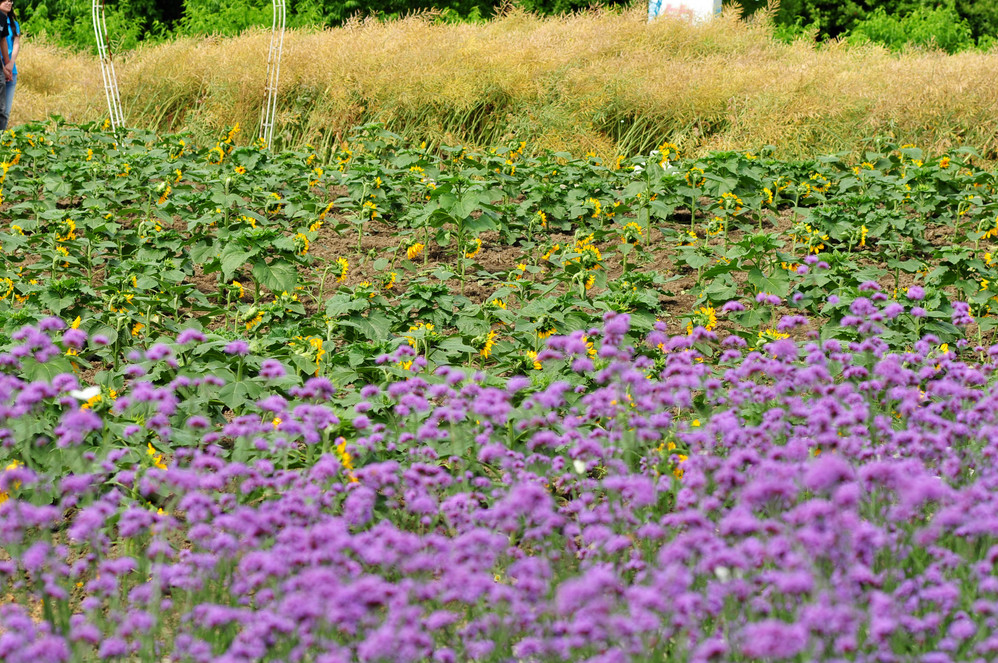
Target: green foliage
(940,27)
(70,24)
(952,25)
(132,21)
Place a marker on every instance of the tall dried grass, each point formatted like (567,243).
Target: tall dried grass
(604,82)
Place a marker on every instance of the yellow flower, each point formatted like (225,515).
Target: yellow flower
(388,280)
(597,207)
(498,303)
(240,170)
(345,459)
(319,348)
(325,211)
(255,321)
(317,172)
(344,265)
(137,329)
(490,341)
(631,233)
(694,177)
(12,466)
(705,317)
(314,228)
(371,209)
(771,334)
(532,356)
(301,241)
(414,250)
(730,201)
(166,192)
(862,235)
(157,458)
(276,422)
(419,326)
(669,152)
(242,290)
(678,471)
(219,155)
(474,252)
(70,231)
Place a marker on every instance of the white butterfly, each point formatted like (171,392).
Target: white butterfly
(85,394)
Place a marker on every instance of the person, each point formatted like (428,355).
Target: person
(10,33)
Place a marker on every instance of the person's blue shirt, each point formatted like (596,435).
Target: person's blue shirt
(13,27)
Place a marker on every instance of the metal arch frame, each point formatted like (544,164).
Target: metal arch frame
(268,117)
(277,28)
(106,65)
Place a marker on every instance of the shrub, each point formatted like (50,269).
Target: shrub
(941,27)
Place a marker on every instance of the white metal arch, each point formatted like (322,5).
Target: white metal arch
(106,65)
(269,113)
(110,81)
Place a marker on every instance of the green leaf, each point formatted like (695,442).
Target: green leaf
(34,370)
(339,305)
(237,394)
(455,345)
(278,276)
(234,257)
(777,283)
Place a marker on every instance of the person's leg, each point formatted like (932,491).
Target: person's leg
(8,101)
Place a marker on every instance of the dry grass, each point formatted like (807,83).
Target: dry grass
(602,82)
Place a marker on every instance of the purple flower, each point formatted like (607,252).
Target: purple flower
(158,352)
(772,638)
(237,347)
(733,306)
(826,472)
(916,292)
(893,310)
(51,324)
(74,338)
(271,369)
(190,336)
(961,314)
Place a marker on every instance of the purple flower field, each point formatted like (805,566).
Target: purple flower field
(801,501)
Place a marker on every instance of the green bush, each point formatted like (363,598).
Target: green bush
(941,27)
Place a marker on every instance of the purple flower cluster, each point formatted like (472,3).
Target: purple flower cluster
(819,501)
